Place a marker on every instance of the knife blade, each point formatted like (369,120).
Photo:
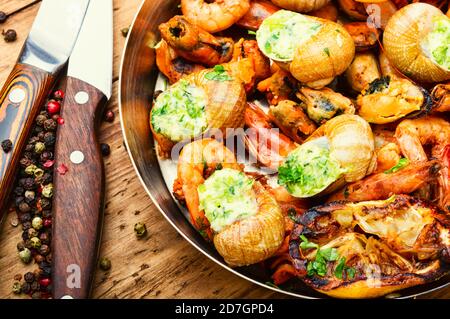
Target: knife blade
(45,52)
(79,194)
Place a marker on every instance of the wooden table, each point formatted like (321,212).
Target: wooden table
(163,265)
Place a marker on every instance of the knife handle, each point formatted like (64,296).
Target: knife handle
(79,194)
(21,98)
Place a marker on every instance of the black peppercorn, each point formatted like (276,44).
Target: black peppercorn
(33,140)
(35,286)
(47,178)
(45,204)
(45,156)
(20,246)
(48,258)
(29,184)
(26,288)
(6,146)
(49,138)
(29,155)
(46,213)
(40,119)
(40,134)
(24,207)
(36,295)
(26,225)
(50,125)
(19,200)
(9,35)
(46,268)
(25,236)
(3,17)
(109,116)
(106,150)
(18,191)
(44,250)
(29,277)
(45,238)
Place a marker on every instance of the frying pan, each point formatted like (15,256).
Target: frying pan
(138,77)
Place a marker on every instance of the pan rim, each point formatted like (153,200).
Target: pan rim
(163,213)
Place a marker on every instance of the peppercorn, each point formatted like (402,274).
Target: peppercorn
(24,207)
(46,214)
(28,183)
(44,250)
(35,242)
(26,288)
(39,131)
(46,156)
(50,125)
(106,150)
(39,258)
(140,229)
(39,147)
(44,282)
(25,162)
(109,116)
(45,238)
(36,295)
(37,223)
(20,246)
(18,277)
(48,258)
(46,268)
(17,288)
(38,173)
(105,264)
(47,178)
(7,146)
(30,195)
(40,119)
(45,204)
(35,286)
(53,107)
(9,35)
(125,31)
(58,95)
(49,139)
(32,233)
(47,191)
(47,222)
(25,255)
(26,225)
(29,277)
(30,169)
(3,17)
(30,156)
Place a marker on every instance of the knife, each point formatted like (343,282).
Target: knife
(43,55)
(79,193)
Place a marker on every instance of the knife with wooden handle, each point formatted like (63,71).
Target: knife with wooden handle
(79,193)
(43,55)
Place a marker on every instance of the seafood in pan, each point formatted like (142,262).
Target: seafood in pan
(337,175)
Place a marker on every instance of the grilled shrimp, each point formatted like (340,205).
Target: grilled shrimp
(195,44)
(259,10)
(413,135)
(216,15)
(278,87)
(382,185)
(171,65)
(301,5)
(268,146)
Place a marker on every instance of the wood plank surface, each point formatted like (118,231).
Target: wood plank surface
(163,264)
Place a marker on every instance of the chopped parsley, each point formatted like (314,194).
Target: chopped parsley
(327,51)
(218,74)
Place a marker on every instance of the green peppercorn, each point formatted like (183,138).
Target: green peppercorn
(105,264)
(40,119)
(35,242)
(37,223)
(17,288)
(47,190)
(30,169)
(25,256)
(140,229)
(38,173)
(39,147)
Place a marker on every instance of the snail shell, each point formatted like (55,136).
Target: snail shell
(301,5)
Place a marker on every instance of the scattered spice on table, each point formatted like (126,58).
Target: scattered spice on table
(31,199)
(9,35)
(109,116)
(125,31)
(3,17)
(140,229)
(104,264)
(106,150)
(6,146)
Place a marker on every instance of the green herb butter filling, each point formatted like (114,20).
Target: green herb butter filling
(226,197)
(308,170)
(281,33)
(179,112)
(437,42)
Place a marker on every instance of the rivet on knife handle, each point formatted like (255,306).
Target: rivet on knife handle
(79,193)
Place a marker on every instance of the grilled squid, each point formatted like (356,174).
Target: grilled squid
(340,151)
(312,49)
(417,42)
(369,249)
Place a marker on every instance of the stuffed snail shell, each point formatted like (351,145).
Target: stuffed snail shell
(314,50)
(209,99)
(370,249)
(301,5)
(417,42)
(340,151)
